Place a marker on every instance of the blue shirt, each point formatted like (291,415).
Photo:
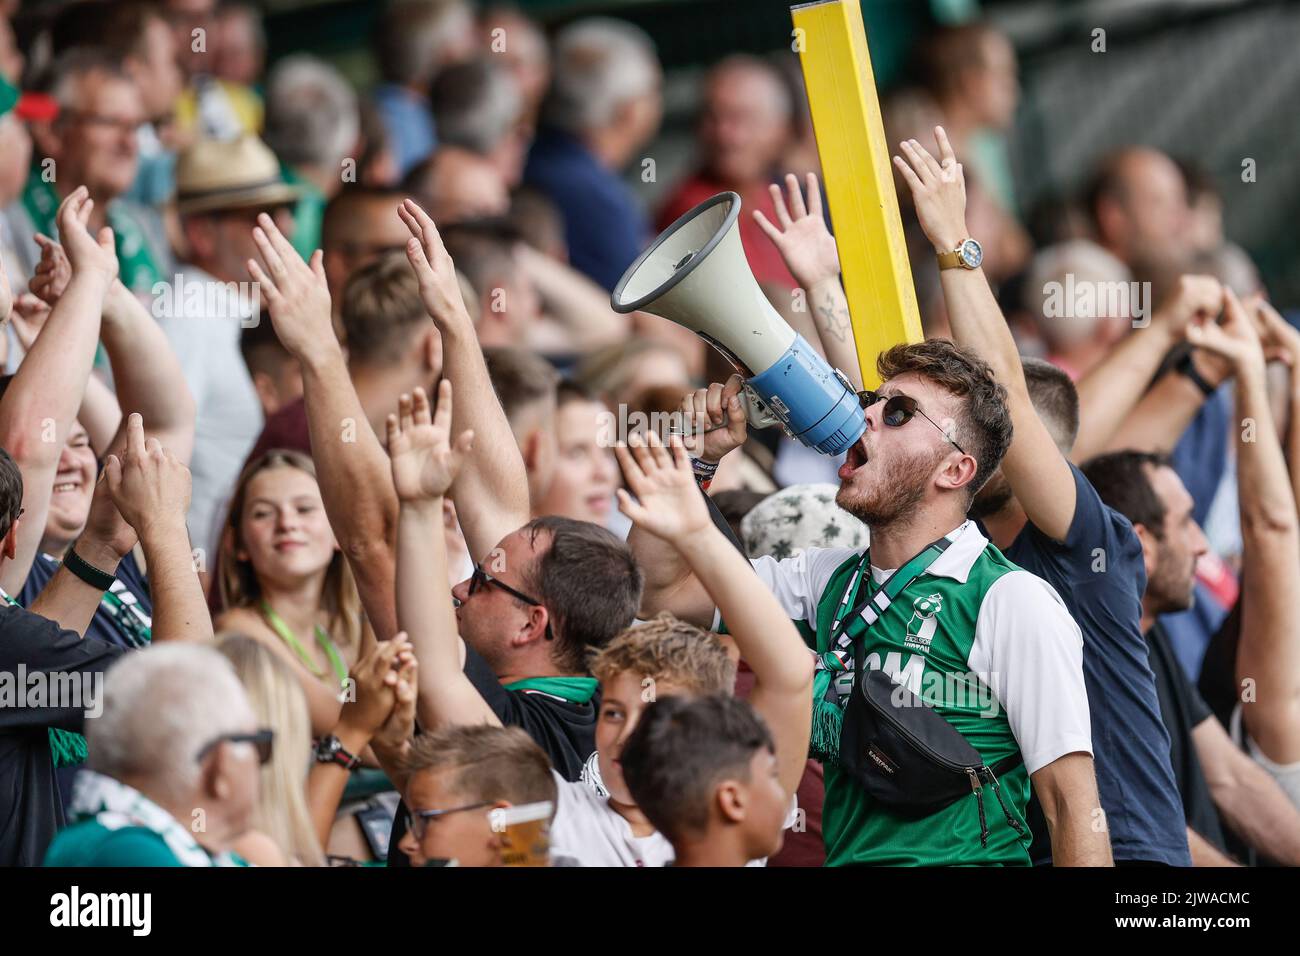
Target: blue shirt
(1131,753)
(604,227)
(409,123)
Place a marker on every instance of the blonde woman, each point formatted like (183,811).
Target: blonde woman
(283,580)
(282,832)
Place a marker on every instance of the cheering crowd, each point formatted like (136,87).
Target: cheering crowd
(327,539)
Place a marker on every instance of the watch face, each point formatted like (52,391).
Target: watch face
(971,254)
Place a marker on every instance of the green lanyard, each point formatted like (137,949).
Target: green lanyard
(574,690)
(322,638)
(136,265)
(870,610)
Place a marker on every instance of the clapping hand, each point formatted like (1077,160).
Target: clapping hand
(150,486)
(86,253)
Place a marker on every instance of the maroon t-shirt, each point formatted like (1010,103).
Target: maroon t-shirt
(284,428)
(801,848)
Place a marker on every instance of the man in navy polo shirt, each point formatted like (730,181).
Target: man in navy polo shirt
(603,106)
(1045,516)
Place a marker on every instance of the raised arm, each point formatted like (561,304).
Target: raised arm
(425,464)
(1038,473)
(355,481)
(1162,415)
(491,492)
(1269,650)
(670,507)
(579,305)
(41,402)
(151,489)
(1108,393)
(809,252)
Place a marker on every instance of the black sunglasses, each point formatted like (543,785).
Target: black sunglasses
(481,578)
(899,410)
(420,818)
(262,740)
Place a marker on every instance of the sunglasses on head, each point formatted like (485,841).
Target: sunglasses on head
(899,410)
(481,578)
(262,740)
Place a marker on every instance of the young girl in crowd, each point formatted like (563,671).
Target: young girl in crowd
(284,581)
(282,831)
(586,473)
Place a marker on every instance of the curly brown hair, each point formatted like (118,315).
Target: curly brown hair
(669,650)
(984,421)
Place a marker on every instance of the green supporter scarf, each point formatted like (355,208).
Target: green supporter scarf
(136,265)
(575,690)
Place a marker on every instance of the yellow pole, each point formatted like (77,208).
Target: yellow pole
(858,177)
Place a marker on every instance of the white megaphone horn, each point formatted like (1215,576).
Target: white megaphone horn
(695,274)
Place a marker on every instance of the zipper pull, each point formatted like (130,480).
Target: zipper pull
(978,789)
(997,792)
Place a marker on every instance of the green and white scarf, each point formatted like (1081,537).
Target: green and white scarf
(114,806)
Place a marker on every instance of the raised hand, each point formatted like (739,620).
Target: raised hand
(1280,339)
(803,240)
(53,272)
(394,737)
(436,273)
(715,420)
(150,486)
(938,190)
(87,253)
(424,460)
(668,504)
(296,294)
(106,538)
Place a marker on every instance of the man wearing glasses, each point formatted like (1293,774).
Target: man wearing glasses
(933,604)
(174,792)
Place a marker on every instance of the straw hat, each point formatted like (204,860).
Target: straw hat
(230,174)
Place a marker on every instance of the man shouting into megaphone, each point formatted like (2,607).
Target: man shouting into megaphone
(936,429)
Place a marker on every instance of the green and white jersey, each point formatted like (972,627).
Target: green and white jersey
(993,649)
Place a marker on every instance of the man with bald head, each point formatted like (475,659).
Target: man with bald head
(456,185)
(1138,202)
(745,125)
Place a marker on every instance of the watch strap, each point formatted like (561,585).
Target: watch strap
(951,259)
(100,580)
(331,750)
(1187,367)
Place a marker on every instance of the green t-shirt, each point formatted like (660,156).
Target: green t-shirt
(993,649)
(90,843)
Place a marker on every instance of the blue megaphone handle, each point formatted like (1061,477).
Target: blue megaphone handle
(813,402)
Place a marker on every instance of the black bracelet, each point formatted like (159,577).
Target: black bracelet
(100,580)
(1187,367)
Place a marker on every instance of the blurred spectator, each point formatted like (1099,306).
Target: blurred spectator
(281,823)
(476,105)
(1205,208)
(275,373)
(241,45)
(520,43)
(586,472)
(209,106)
(414,41)
(360,224)
(620,374)
(221,189)
(148,778)
(745,127)
(93,142)
(136,33)
(604,105)
(313,126)
(377,164)
(15,164)
(1071,292)
(11,58)
(509,309)
(539,222)
(1138,202)
(455,184)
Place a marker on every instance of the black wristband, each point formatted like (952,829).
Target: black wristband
(1187,367)
(100,580)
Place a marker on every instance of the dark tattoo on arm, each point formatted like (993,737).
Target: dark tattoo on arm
(834,319)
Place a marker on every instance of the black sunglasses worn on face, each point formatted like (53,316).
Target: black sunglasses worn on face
(899,410)
(481,578)
(262,740)
(420,818)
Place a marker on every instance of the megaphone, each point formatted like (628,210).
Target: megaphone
(695,274)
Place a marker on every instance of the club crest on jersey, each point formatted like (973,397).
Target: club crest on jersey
(920,629)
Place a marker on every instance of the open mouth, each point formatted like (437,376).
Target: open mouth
(66,487)
(855,459)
